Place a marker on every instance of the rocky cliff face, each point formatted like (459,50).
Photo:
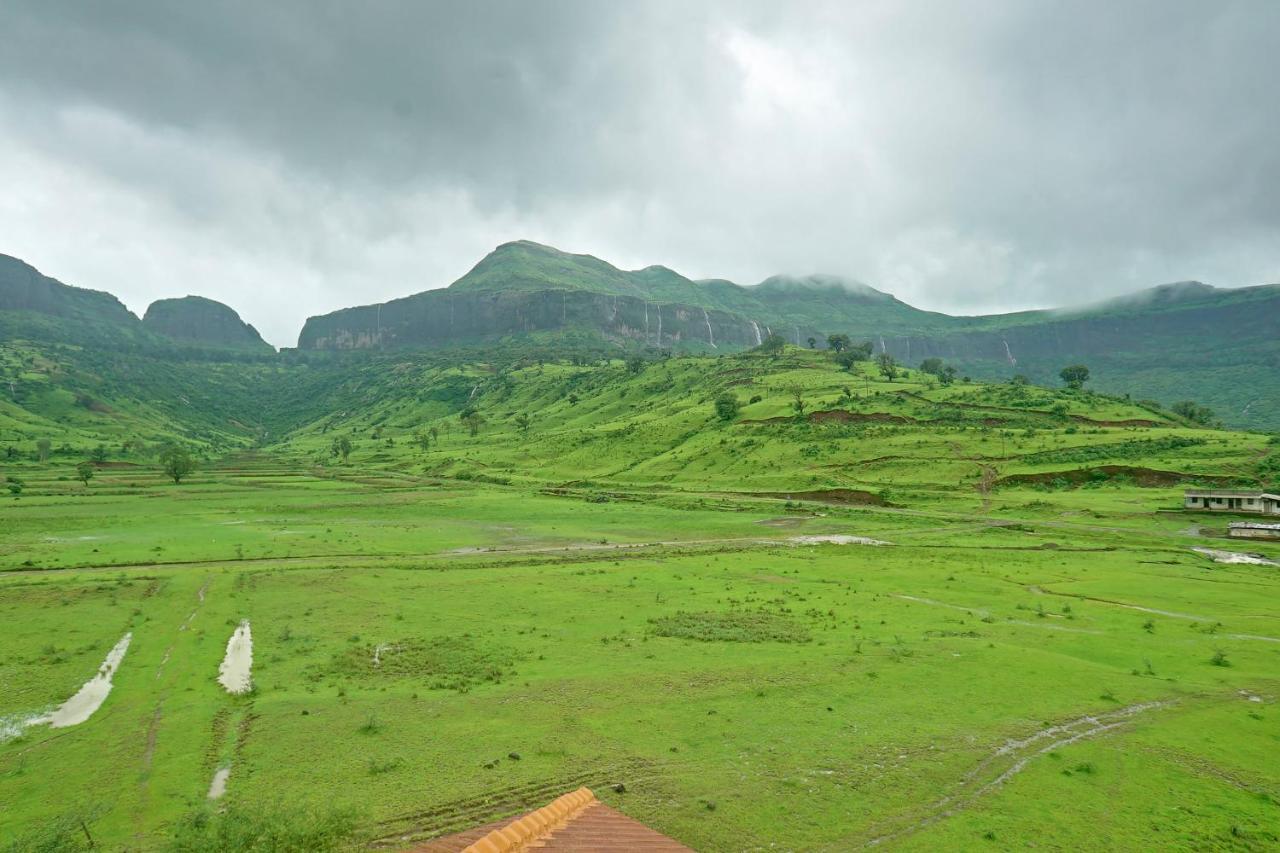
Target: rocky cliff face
(196,320)
(24,288)
(444,317)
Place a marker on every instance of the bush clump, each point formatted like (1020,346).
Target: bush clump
(739,626)
(445,662)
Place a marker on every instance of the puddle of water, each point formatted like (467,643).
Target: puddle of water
(836,539)
(78,708)
(12,727)
(235,672)
(1234,557)
(90,697)
(218,786)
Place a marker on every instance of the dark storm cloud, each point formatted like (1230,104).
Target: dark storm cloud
(294,157)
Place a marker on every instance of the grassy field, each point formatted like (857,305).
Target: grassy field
(633,595)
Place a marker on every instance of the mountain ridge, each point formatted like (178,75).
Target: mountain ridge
(1219,346)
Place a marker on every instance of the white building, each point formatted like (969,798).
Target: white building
(1229,500)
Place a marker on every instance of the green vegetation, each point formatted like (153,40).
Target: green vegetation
(852,605)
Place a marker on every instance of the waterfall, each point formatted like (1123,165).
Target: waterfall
(659,307)
(1009,355)
(797,336)
(883,348)
(646,322)
(755,327)
(711,339)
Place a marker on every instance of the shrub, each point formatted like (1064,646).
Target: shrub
(277,829)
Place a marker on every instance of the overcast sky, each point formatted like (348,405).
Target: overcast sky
(291,158)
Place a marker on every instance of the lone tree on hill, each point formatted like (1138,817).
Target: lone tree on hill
(1193,411)
(84,472)
(838,343)
(727,406)
(341,447)
(888,367)
(797,392)
(176,462)
(523,422)
(935,367)
(1075,376)
(932,366)
(474,420)
(813,343)
(42,449)
(635,364)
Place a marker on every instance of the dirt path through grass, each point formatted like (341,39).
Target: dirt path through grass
(1011,758)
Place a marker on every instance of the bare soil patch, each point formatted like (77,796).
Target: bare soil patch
(1145,477)
(831,496)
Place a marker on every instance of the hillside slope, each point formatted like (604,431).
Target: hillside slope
(1186,340)
(862,438)
(197,320)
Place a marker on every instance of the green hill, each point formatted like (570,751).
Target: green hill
(1187,340)
(204,322)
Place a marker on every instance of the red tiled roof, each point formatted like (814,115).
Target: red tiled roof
(574,823)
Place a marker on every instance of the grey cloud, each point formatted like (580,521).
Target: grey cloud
(292,157)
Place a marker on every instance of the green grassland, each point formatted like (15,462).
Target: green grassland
(449,628)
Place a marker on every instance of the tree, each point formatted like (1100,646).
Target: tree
(1193,411)
(423,441)
(948,375)
(176,462)
(474,420)
(838,343)
(99,453)
(635,364)
(1075,376)
(14,485)
(727,406)
(42,449)
(435,436)
(84,472)
(888,367)
(772,345)
(523,422)
(797,403)
(813,342)
(341,446)
(931,366)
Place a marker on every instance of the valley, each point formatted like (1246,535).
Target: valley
(913,615)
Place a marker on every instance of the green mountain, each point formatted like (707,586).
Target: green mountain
(1184,340)
(1218,347)
(196,320)
(33,305)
